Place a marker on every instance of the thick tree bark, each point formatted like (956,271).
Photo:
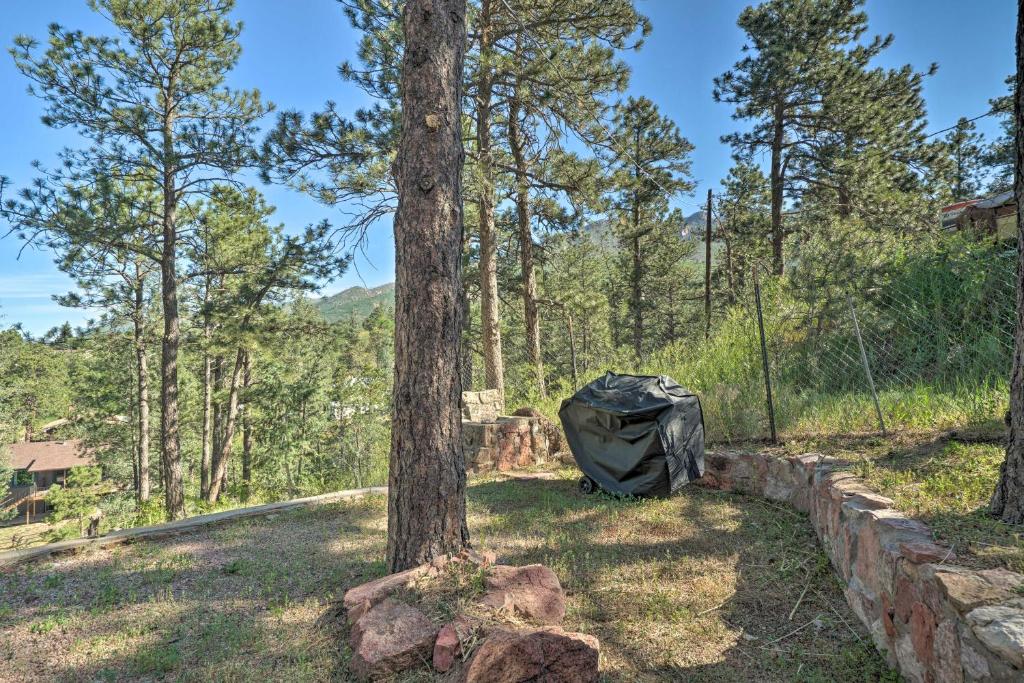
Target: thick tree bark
(218,478)
(142,379)
(778,236)
(427,477)
(531,314)
(490,317)
(1008,499)
(174,492)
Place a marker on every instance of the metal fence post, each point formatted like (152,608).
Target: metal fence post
(867,366)
(764,358)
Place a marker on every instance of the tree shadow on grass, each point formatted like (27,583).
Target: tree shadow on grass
(669,586)
(697,587)
(946,481)
(234,602)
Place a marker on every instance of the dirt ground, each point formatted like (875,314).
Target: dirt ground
(703,586)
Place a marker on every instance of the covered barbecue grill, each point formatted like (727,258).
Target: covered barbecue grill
(635,435)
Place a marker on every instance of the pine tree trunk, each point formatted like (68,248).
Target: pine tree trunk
(1008,499)
(636,295)
(531,314)
(207,446)
(467,331)
(174,492)
(490,318)
(246,423)
(778,137)
(218,478)
(142,368)
(728,267)
(217,421)
(427,476)
(572,351)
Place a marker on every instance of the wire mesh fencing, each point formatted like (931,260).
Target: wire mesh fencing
(924,345)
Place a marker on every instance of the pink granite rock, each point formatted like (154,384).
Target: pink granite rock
(449,641)
(549,654)
(359,599)
(446,648)
(532,592)
(390,637)
(922,552)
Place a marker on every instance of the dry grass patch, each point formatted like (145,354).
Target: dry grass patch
(702,586)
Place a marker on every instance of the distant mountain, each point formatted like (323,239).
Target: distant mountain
(696,222)
(355,302)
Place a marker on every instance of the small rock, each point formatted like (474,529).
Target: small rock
(449,641)
(446,648)
(1001,629)
(357,600)
(923,553)
(549,654)
(389,638)
(532,592)
(968,589)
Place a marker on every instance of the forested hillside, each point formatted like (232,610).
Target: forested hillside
(356,303)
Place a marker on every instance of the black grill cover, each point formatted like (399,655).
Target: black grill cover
(636,435)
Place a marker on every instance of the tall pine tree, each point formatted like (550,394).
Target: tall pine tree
(153,103)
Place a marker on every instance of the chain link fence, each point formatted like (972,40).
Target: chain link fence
(925,344)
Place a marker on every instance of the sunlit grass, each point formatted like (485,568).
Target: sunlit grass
(716,571)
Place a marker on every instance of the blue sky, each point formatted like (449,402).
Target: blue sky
(291,51)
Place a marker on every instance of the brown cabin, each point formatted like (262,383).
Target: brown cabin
(994,216)
(38,465)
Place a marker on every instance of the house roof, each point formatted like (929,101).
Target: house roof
(43,456)
(995,200)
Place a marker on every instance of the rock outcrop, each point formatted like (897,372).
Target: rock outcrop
(531,592)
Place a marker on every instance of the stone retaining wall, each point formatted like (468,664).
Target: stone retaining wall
(934,620)
(481,406)
(505,444)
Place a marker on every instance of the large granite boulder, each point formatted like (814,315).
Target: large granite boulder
(389,638)
(531,592)
(548,654)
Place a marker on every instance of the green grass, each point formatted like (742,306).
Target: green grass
(696,587)
(944,478)
(948,484)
